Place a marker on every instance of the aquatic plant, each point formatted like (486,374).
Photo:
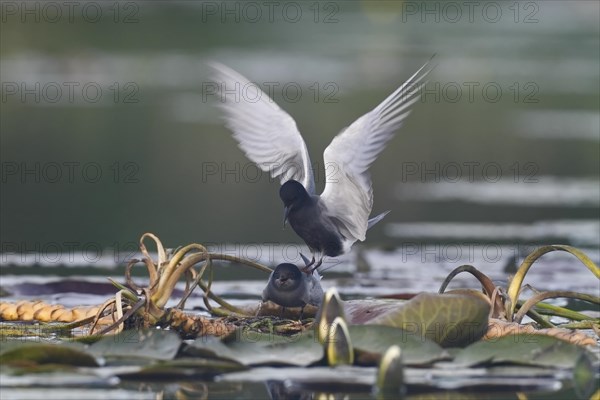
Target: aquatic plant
(143,307)
(343,337)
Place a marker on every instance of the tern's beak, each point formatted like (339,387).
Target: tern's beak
(286,211)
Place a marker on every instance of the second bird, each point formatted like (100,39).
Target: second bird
(331,222)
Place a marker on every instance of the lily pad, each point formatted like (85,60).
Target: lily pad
(30,354)
(183,368)
(585,377)
(372,341)
(526,349)
(151,344)
(253,348)
(451,320)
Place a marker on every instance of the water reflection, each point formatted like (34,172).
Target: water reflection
(558,124)
(527,190)
(578,232)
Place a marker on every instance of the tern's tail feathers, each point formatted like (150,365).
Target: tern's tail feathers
(307,262)
(376,219)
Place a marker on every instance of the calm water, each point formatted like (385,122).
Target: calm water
(107,133)
(108,130)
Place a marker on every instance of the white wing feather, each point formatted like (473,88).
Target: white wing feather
(265,133)
(348,196)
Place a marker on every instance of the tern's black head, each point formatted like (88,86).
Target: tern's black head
(286,277)
(292,192)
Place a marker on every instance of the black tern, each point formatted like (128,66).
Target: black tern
(332,222)
(290,287)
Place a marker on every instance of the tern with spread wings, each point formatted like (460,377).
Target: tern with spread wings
(331,222)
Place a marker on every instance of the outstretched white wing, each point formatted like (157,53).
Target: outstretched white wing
(348,196)
(267,134)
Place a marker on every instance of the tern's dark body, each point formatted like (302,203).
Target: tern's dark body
(307,217)
(317,230)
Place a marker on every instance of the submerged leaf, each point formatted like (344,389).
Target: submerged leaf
(528,349)
(451,320)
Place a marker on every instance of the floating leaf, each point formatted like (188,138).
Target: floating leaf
(585,377)
(152,344)
(451,320)
(527,349)
(360,312)
(371,341)
(29,354)
(253,348)
(184,368)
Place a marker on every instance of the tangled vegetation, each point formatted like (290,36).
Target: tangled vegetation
(389,333)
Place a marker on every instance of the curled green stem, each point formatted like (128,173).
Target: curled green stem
(587,324)
(557,311)
(171,274)
(550,295)
(190,289)
(137,306)
(486,283)
(220,301)
(162,254)
(225,257)
(515,285)
(540,319)
(127,293)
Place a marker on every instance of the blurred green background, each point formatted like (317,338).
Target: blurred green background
(117,89)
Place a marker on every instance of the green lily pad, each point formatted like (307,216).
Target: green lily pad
(183,368)
(526,349)
(150,344)
(585,377)
(450,320)
(253,348)
(30,354)
(372,341)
